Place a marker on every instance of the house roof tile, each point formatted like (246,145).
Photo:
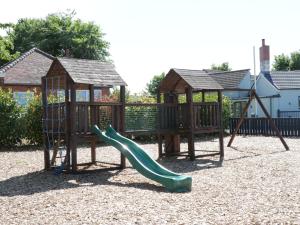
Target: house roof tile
(284,79)
(27,69)
(229,79)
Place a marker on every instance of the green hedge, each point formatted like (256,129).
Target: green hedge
(33,121)
(20,124)
(11,126)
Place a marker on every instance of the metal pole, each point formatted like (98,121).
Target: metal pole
(254,61)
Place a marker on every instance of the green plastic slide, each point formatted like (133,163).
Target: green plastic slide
(143,163)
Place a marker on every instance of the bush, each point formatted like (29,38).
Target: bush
(33,121)
(11,126)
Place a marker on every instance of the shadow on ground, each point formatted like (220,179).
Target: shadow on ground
(183,165)
(43,181)
(252,154)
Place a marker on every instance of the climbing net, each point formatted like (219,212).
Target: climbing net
(54,119)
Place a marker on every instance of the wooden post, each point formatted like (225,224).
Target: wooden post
(191,143)
(203,96)
(270,120)
(73,127)
(240,120)
(221,129)
(92,119)
(172,141)
(46,144)
(67,124)
(160,141)
(122,120)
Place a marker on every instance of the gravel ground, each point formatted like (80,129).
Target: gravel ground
(258,183)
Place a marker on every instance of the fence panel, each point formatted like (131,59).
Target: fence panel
(261,126)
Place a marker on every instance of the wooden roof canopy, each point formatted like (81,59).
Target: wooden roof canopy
(83,71)
(178,80)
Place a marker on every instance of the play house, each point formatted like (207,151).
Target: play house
(67,120)
(191,117)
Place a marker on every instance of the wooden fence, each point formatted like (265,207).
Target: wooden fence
(261,126)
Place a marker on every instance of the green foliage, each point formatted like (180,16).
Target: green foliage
(141,99)
(60,32)
(141,118)
(281,63)
(152,86)
(284,62)
(33,121)
(295,61)
(222,67)
(10,120)
(226,111)
(6,50)
(115,95)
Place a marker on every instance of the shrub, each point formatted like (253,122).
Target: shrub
(11,126)
(33,121)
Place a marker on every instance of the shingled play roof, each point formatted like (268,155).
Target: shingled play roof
(91,72)
(179,79)
(284,79)
(27,69)
(229,80)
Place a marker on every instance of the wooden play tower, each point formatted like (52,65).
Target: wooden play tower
(189,118)
(67,120)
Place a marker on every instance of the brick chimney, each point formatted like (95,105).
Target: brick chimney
(264,55)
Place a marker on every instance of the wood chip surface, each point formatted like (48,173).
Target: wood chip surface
(258,183)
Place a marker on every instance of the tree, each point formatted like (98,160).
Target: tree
(222,67)
(6,49)
(295,61)
(152,86)
(281,63)
(58,33)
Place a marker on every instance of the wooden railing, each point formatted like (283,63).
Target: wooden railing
(206,115)
(168,116)
(100,113)
(145,117)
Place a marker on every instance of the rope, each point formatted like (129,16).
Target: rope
(55,118)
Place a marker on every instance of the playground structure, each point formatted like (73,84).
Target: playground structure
(68,122)
(253,95)
(191,117)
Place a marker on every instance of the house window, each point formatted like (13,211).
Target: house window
(23,97)
(82,95)
(237,109)
(299,102)
(98,95)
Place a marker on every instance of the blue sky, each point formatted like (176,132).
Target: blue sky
(151,36)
